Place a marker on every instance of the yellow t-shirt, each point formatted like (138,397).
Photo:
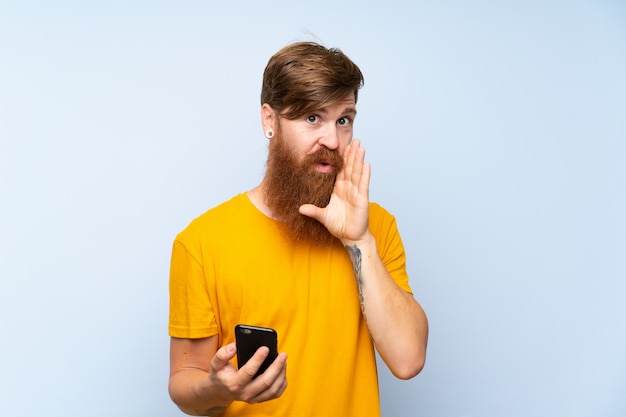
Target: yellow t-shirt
(231,265)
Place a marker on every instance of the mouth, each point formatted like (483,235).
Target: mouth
(324,167)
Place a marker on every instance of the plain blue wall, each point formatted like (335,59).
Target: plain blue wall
(496,132)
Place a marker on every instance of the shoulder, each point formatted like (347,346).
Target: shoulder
(383,226)
(380,218)
(378,210)
(220,216)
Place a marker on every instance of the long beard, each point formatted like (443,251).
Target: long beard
(290,183)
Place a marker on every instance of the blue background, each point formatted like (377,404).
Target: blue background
(496,133)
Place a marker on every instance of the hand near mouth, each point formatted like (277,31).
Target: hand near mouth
(346,215)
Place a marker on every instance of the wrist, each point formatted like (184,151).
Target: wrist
(365,240)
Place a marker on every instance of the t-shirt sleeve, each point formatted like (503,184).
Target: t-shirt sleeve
(390,247)
(191,314)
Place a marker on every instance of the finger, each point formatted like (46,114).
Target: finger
(355,159)
(364,185)
(312,211)
(272,383)
(254,363)
(279,366)
(354,164)
(355,144)
(357,165)
(223,356)
(274,390)
(342,172)
(349,158)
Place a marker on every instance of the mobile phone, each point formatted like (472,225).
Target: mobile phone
(249,338)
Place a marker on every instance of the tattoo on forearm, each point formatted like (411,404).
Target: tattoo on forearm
(355,257)
(211,411)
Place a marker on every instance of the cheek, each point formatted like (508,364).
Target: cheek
(346,138)
(304,142)
(296,143)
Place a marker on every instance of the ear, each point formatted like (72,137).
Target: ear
(268,118)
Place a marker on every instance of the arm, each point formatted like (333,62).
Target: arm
(203,381)
(396,321)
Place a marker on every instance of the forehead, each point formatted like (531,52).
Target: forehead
(345,105)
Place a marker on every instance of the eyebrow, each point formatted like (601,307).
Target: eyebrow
(348,110)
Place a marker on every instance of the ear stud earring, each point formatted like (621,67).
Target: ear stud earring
(269,133)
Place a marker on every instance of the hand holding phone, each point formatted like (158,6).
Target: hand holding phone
(249,339)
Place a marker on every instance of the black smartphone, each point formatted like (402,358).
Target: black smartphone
(249,338)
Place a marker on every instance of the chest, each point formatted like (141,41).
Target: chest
(281,286)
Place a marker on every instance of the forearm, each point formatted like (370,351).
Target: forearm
(192,391)
(396,321)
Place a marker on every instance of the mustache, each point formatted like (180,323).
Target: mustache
(325,156)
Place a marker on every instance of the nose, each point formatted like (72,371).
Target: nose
(330,138)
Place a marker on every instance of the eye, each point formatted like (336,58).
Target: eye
(312,118)
(344,121)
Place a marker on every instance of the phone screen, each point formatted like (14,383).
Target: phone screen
(249,339)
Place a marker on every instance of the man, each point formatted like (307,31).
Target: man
(305,253)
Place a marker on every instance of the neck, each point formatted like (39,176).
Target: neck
(257,197)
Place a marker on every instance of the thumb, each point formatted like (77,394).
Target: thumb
(223,356)
(312,211)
